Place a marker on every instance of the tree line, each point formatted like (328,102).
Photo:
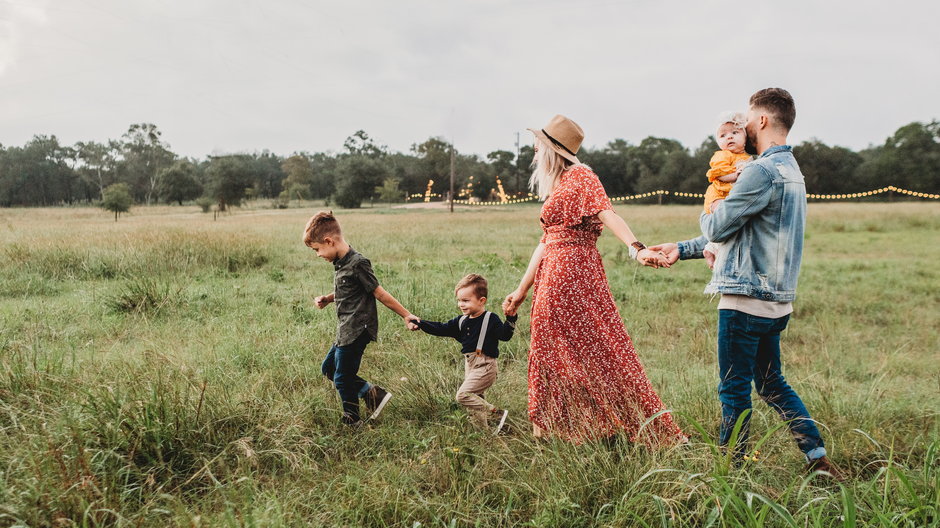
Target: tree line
(141,167)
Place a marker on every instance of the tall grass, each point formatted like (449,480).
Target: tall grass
(164,370)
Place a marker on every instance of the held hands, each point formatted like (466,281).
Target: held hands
(513,301)
(670,250)
(653,258)
(411,322)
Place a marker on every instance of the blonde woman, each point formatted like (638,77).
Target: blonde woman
(585,380)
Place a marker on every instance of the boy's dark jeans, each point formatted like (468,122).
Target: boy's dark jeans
(341,366)
(749,350)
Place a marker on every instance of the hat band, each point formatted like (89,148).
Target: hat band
(558,143)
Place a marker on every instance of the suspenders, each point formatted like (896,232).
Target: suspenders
(486,322)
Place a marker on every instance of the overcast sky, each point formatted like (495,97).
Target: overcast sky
(244,75)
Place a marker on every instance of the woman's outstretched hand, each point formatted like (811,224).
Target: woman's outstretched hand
(513,301)
(653,258)
(670,249)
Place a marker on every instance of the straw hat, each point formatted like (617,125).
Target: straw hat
(563,135)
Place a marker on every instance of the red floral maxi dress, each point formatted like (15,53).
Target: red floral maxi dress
(585,380)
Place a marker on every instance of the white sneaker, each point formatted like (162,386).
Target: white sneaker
(376,399)
(502,420)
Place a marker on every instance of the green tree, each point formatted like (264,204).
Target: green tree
(117,198)
(407,170)
(144,154)
(909,159)
(827,170)
(357,178)
(299,179)
(434,156)
(613,167)
(323,166)
(389,191)
(178,183)
(524,167)
(360,144)
(503,165)
(228,177)
(648,160)
(39,173)
(266,174)
(97,163)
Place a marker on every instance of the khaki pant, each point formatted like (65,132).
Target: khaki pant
(479,375)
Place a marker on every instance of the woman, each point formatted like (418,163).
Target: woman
(585,380)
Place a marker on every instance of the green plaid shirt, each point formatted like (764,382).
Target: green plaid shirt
(354,294)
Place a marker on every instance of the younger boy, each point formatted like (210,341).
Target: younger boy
(479,332)
(355,292)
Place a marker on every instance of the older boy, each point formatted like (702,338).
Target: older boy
(355,292)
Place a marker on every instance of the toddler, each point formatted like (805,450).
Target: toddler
(479,333)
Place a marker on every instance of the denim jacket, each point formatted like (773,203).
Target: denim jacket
(761,224)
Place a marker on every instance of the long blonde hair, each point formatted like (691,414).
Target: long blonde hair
(547,168)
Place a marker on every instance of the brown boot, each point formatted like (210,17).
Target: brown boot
(826,467)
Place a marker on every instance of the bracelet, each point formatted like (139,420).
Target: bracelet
(635,249)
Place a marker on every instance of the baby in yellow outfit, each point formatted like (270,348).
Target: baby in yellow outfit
(726,164)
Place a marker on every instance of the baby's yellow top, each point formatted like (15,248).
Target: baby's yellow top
(723,163)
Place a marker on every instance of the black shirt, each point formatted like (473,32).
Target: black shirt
(469,332)
(354,294)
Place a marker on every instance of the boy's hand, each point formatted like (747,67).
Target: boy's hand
(411,322)
(709,258)
(323,300)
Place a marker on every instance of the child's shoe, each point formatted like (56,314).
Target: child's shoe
(350,420)
(826,468)
(375,400)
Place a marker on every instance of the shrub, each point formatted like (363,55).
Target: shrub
(205,203)
(143,295)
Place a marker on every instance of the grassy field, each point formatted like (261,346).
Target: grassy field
(164,370)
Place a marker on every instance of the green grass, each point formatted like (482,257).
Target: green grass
(164,370)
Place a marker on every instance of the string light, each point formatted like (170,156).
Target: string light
(504,200)
(427,193)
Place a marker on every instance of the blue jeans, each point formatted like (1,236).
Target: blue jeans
(749,350)
(341,366)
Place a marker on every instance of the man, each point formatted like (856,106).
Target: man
(761,223)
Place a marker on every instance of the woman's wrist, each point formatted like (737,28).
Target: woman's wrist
(635,248)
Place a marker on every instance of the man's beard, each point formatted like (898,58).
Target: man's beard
(749,145)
